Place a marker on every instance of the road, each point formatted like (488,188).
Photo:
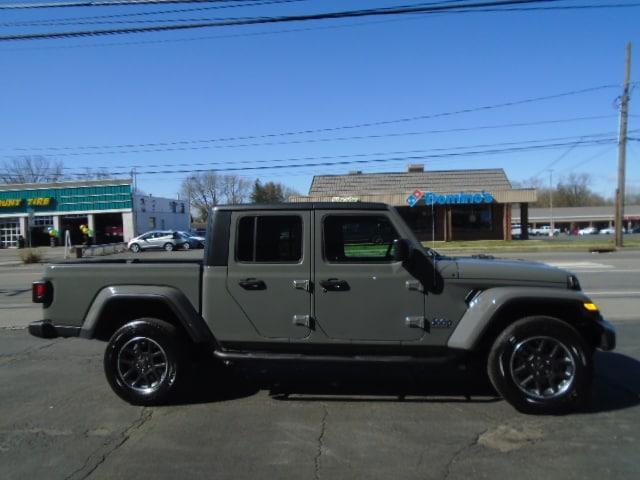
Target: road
(60,420)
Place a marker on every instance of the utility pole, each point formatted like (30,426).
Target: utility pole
(622,148)
(551,201)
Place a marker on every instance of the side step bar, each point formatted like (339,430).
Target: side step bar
(298,357)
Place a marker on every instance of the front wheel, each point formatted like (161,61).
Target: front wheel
(144,361)
(168,247)
(135,248)
(541,365)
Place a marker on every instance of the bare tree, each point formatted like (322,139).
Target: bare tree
(208,189)
(31,169)
(235,189)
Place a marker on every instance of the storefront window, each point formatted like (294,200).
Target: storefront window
(46,221)
(472,218)
(9,233)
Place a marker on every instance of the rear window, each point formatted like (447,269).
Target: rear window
(269,239)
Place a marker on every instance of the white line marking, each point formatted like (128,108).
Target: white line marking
(581,265)
(614,293)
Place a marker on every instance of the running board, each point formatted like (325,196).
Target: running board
(299,357)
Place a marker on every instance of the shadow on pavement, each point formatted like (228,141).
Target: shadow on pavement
(617,383)
(376,383)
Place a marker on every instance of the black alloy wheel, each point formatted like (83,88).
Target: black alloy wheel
(541,365)
(144,361)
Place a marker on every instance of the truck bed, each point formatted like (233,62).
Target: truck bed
(76,283)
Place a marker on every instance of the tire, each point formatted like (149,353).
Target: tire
(186,246)
(135,248)
(168,247)
(137,346)
(541,365)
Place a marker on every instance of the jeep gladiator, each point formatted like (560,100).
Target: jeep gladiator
(328,282)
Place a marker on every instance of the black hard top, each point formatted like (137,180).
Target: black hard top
(305,206)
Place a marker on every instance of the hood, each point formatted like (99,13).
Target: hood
(510,270)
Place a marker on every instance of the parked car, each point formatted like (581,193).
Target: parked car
(607,231)
(290,283)
(588,231)
(545,231)
(516,230)
(192,241)
(157,239)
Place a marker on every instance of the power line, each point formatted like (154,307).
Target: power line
(589,159)
(171,146)
(583,138)
(100,3)
(345,127)
(382,11)
(404,157)
(417,16)
(78,20)
(199,19)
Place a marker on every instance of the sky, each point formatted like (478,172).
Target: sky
(168,100)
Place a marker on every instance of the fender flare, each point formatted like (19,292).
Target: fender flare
(488,305)
(174,299)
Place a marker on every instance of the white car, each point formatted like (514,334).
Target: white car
(588,231)
(164,239)
(607,231)
(545,230)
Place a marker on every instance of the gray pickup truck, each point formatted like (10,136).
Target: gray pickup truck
(328,282)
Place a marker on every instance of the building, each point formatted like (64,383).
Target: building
(571,218)
(441,205)
(110,208)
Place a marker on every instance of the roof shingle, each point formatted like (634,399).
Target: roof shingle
(443,181)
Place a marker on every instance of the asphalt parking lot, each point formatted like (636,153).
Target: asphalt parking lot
(60,420)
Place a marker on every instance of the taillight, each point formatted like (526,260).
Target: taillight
(41,292)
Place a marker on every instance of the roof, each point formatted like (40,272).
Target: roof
(306,206)
(69,184)
(576,214)
(444,181)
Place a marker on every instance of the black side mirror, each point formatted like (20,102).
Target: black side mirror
(401,249)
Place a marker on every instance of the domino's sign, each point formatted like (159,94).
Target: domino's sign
(462,198)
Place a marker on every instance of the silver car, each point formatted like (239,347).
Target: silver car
(164,239)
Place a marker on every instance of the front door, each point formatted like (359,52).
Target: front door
(269,272)
(361,293)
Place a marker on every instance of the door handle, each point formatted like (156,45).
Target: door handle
(252,284)
(334,285)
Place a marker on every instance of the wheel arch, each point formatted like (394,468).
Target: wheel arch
(115,306)
(495,309)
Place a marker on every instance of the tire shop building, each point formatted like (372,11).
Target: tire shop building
(109,208)
(442,205)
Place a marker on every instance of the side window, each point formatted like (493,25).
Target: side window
(269,239)
(358,238)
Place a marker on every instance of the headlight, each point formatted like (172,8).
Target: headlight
(573,283)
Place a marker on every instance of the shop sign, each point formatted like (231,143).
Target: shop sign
(345,199)
(31,202)
(462,198)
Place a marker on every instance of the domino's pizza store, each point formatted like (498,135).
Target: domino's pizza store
(442,205)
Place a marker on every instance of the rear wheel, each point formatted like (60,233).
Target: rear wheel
(186,245)
(144,361)
(168,247)
(541,365)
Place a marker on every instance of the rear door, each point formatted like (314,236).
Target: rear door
(269,272)
(361,293)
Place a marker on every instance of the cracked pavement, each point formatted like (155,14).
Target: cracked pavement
(60,420)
